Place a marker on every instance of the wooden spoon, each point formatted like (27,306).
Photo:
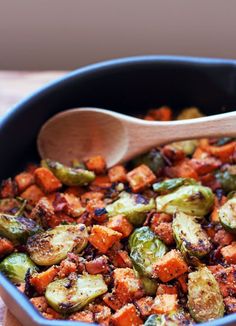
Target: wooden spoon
(84,132)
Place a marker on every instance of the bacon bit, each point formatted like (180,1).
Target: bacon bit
(97,266)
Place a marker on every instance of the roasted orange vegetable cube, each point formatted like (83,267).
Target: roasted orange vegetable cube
(33,194)
(90,195)
(165,303)
(102,237)
(46,180)
(112,301)
(226,278)
(96,164)
(144,305)
(170,266)
(117,174)
(24,180)
(41,280)
(120,224)
(6,247)
(127,316)
(224,153)
(140,178)
(229,253)
(164,113)
(167,289)
(183,169)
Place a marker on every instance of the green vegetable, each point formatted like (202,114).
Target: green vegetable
(190,113)
(152,159)
(145,249)
(227,215)
(133,207)
(17,229)
(149,284)
(52,246)
(227,180)
(68,295)
(194,200)
(175,318)
(167,186)
(190,237)
(16,266)
(69,176)
(187,146)
(205,301)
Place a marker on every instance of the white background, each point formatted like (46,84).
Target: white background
(65,34)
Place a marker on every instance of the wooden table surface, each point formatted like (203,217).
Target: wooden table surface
(14,86)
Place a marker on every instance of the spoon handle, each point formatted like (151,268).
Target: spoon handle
(145,134)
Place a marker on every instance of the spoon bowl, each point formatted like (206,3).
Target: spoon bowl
(85,132)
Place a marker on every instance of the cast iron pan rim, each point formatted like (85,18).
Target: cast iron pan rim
(104,66)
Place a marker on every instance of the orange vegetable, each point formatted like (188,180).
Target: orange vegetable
(167,289)
(170,266)
(6,247)
(96,164)
(75,190)
(206,165)
(172,153)
(224,153)
(33,194)
(117,174)
(164,113)
(223,238)
(102,237)
(120,258)
(144,305)
(225,278)
(112,301)
(46,180)
(102,314)
(183,169)
(127,316)
(85,316)
(229,253)
(182,280)
(41,280)
(165,303)
(96,209)
(24,180)
(98,265)
(164,232)
(100,182)
(217,204)
(140,178)
(120,224)
(8,189)
(90,195)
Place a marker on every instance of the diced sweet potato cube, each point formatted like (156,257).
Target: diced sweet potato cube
(91,195)
(229,253)
(144,305)
(102,314)
(140,178)
(217,204)
(164,113)
(120,258)
(112,301)
(102,237)
(117,174)
(100,182)
(85,316)
(167,289)
(226,278)
(206,165)
(127,286)
(41,280)
(165,303)
(170,266)
(120,224)
(33,194)
(182,280)
(223,238)
(164,232)
(183,169)
(6,247)
(24,180)
(96,164)
(96,208)
(46,180)
(224,153)
(127,316)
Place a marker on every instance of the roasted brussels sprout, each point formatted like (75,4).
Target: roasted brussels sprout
(187,146)
(194,200)
(149,284)
(17,229)
(16,266)
(190,238)
(69,176)
(190,113)
(227,215)
(133,207)
(145,249)
(167,186)
(175,318)
(205,301)
(68,295)
(152,159)
(227,180)
(52,246)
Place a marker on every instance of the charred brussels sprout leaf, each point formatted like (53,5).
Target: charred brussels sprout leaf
(205,301)
(170,185)
(194,200)
(152,159)
(69,176)
(133,207)
(175,318)
(17,229)
(227,215)
(68,296)
(16,266)
(190,238)
(227,180)
(52,246)
(145,249)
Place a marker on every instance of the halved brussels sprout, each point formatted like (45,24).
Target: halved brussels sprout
(16,266)
(68,295)
(205,301)
(50,247)
(189,236)
(227,215)
(145,249)
(167,186)
(152,159)
(133,207)
(194,200)
(175,318)
(227,180)
(17,229)
(69,176)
